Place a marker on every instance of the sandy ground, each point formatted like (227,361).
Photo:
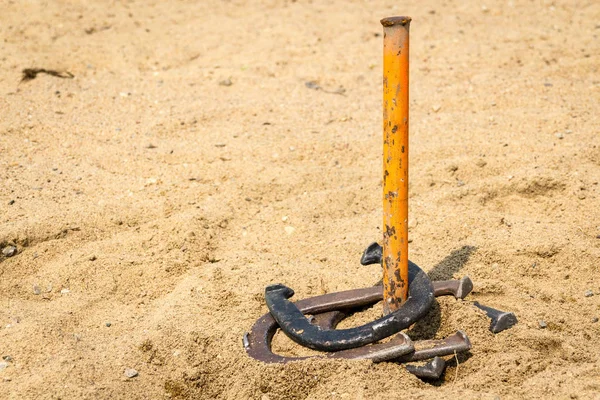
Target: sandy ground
(187,165)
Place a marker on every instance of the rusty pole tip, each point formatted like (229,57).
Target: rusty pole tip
(391,21)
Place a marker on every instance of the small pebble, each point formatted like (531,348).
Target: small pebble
(543,324)
(108,324)
(130,373)
(9,251)
(559,135)
(452,168)
(289,229)
(412,223)
(10,203)
(226,82)
(65,291)
(7,358)
(436,108)
(594,320)
(588,293)
(36,290)
(3,365)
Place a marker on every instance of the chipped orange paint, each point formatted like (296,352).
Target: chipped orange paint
(395,161)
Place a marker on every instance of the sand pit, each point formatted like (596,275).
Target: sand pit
(203,150)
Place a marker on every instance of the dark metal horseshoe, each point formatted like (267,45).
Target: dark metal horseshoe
(297,327)
(325,313)
(257,342)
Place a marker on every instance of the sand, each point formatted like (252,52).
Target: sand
(187,164)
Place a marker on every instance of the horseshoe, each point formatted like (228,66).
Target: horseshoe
(257,342)
(297,327)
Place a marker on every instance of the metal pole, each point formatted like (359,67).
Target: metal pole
(395,161)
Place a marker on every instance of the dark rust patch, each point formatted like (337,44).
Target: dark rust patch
(390,230)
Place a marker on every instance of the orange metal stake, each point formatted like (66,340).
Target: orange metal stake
(395,162)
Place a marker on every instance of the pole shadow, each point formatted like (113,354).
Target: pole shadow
(427,327)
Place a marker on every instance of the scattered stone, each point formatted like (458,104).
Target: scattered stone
(284,218)
(65,291)
(315,85)
(436,107)
(7,358)
(412,223)
(289,230)
(10,203)
(108,324)
(130,373)
(226,82)
(588,293)
(452,168)
(594,320)
(37,290)
(9,251)
(3,365)
(559,135)
(93,258)
(481,163)
(543,324)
